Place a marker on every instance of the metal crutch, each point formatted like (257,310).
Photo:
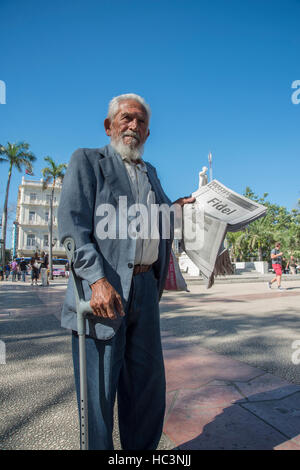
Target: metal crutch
(83,307)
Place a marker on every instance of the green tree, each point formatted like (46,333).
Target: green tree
(259,236)
(51,174)
(277,225)
(17,156)
(237,246)
(291,237)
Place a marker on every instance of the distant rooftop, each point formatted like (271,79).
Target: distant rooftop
(35,181)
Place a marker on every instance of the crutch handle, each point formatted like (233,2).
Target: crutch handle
(84,307)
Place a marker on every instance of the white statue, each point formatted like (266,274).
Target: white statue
(203,177)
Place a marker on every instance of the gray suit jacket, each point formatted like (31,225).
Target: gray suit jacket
(95,177)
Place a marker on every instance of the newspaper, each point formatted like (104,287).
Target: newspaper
(221,202)
(216,211)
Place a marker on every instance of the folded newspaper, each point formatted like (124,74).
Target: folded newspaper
(216,211)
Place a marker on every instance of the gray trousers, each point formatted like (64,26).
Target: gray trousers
(131,366)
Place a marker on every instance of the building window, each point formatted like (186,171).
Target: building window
(46,240)
(31,217)
(46,216)
(32,197)
(31,240)
(48,198)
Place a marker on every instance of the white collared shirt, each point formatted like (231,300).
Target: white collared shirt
(146,248)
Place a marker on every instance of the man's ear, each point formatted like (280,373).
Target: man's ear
(148,133)
(107,126)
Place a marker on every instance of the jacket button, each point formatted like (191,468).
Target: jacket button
(130,265)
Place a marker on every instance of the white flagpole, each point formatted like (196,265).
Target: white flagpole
(210,165)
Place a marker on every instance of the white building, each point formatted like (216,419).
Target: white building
(32,219)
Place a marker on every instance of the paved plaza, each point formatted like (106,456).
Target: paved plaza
(233,378)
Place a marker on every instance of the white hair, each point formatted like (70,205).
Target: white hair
(114,104)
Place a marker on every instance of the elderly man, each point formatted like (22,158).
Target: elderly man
(123,277)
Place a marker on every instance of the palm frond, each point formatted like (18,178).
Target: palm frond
(28,156)
(17,154)
(53,171)
(46,182)
(46,172)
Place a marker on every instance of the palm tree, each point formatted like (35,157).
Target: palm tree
(52,173)
(236,245)
(260,236)
(17,156)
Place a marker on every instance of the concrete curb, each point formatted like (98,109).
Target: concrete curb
(240,278)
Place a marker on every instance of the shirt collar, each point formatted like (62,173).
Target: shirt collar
(140,166)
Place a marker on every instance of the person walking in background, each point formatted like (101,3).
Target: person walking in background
(283,265)
(35,266)
(23,268)
(292,265)
(276,257)
(7,272)
(14,269)
(44,266)
(18,271)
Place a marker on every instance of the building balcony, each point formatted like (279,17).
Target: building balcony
(30,250)
(38,202)
(37,183)
(28,223)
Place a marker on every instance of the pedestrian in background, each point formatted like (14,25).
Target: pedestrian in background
(35,266)
(7,272)
(18,271)
(276,257)
(14,270)
(44,266)
(23,268)
(292,265)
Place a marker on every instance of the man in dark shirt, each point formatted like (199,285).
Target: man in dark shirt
(23,267)
(44,266)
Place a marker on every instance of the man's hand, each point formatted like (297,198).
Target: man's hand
(105,300)
(184,200)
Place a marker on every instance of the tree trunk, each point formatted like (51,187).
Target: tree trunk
(260,256)
(4,215)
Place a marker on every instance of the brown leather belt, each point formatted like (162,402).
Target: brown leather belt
(141,268)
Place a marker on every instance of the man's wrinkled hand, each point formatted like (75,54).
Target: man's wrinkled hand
(185,200)
(105,300)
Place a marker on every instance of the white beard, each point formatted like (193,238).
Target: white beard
(126,151)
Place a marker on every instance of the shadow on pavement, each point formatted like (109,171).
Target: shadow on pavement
(260,423)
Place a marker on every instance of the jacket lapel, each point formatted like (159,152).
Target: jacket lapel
(115,173)
(161,198)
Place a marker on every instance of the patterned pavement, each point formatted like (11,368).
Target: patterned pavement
(223,390)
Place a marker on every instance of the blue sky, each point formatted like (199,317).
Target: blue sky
(216,73)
